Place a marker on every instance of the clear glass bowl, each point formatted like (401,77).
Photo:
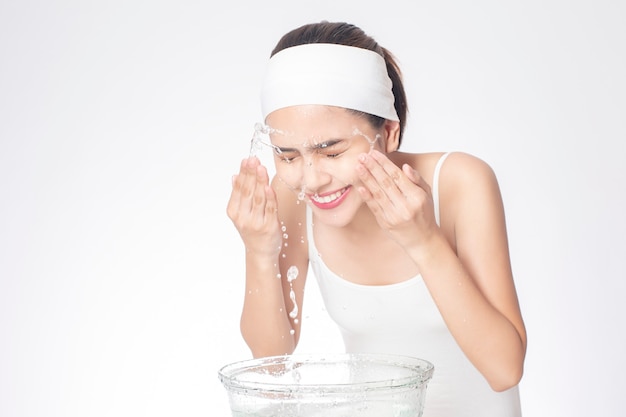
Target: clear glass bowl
(338,385)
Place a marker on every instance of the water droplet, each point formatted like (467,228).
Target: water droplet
(301,194)
(292,273)
(293,313)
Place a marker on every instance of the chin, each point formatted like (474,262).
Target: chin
(339,216)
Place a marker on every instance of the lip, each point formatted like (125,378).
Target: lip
(330,200)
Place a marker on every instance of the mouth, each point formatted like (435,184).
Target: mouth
(329,200)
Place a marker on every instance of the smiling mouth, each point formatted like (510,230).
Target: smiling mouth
(330,200)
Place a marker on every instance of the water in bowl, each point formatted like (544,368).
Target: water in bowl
(343,385)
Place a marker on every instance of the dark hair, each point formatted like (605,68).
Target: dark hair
(347,34)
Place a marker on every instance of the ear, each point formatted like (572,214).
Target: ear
(392,135)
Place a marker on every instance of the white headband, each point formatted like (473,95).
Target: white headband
(328,74)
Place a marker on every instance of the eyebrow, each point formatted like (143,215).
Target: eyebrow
(326,144)
(316,146)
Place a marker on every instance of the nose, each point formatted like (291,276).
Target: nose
(314,176)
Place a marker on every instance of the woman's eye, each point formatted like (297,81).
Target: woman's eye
(331,153)
(333,149)
(286,157)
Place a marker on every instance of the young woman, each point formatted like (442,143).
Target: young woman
(409,250)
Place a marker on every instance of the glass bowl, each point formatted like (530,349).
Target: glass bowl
(335,385)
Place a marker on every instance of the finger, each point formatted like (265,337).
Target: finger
(382,177)
(416,178)
(271,206)
(235,201)
(259,198)
(246,184)
(374,195)
(405,178)
(390,171)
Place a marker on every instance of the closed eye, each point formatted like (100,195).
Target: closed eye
(332,148)
(286,154)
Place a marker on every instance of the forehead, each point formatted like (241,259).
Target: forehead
(314,121)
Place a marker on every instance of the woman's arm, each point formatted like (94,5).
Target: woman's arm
(473,287)
(253,207)
(472,284)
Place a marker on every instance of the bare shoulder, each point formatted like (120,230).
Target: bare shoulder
(459,168)
(466,171)
(469,192)
(468,178)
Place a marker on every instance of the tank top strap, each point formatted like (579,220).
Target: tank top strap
(435,187)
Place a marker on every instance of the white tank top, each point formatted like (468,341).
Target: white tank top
(403,319)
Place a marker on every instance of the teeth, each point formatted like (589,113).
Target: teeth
(327,198)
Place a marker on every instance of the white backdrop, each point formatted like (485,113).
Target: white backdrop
(122,122)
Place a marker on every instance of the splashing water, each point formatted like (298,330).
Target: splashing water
(256,143)
(255,147)
(292,274)
(369,140)
(293,313)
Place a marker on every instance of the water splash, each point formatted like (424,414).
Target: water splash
(256,144)
(371,141)
(292,274)
(293,313)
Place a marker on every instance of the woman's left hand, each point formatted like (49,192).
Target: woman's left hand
(399,198)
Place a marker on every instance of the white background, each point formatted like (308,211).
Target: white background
(122,122)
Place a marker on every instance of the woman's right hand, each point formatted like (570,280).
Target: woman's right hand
(254,210)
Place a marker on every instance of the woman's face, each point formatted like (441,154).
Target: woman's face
(316,150)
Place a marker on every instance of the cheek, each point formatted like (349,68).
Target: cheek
(343,169)
(289,174)
(295,174)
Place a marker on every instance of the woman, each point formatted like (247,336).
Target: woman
(409,250)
